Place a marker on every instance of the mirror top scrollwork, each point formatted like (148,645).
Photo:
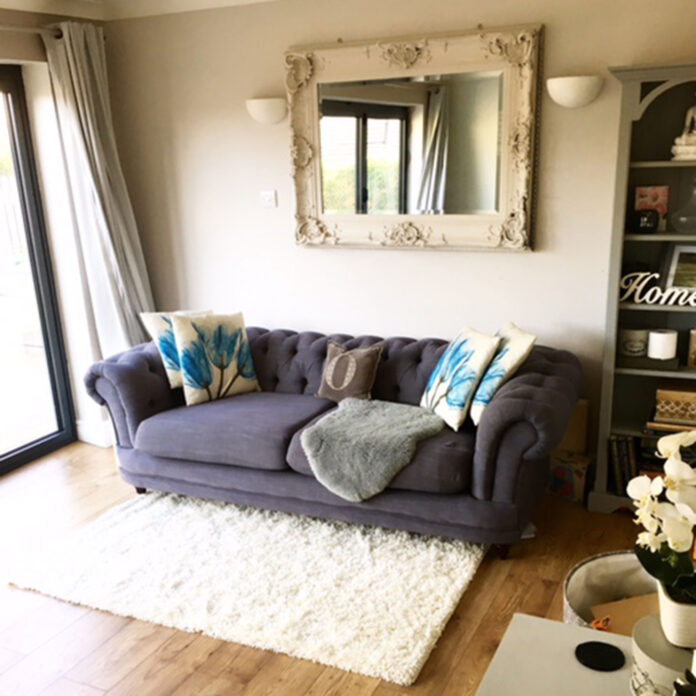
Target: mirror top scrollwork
(423,143)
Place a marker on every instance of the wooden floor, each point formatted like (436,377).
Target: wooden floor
(56,649)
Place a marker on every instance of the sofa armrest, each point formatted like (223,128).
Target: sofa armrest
(133,386)
(524,421)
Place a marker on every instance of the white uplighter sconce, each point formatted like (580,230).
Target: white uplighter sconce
(574,91)
(268,110)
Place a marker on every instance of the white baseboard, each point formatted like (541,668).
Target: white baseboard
(95,432)
(529,531)
(608,502)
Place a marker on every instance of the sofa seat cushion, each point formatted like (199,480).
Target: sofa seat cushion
(252,430)
(441,464)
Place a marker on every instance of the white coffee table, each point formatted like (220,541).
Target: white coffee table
(537,658)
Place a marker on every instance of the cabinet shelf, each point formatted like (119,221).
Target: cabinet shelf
(635,307)
(681,373)
(643,160)
(668,237)
(662,164)
(628,430)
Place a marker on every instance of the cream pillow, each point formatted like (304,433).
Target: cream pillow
(215,357)
(453,381)
(159,326)
(515,347)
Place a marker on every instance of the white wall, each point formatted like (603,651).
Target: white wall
(195,163)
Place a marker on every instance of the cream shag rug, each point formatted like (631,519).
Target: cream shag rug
(359,598)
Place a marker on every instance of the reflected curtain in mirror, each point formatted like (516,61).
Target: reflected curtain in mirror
(431,197)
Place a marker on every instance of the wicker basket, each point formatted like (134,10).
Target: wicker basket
(600,579)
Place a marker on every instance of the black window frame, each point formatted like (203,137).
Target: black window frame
(12,90)
(362,111)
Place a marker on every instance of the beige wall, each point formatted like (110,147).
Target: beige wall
(21,47)
(195,163)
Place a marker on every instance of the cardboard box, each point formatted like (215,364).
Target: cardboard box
(568,475)
(575,438)
(625,613)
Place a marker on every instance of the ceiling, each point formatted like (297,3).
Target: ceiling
(118,9)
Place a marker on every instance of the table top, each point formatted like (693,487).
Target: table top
(537,658)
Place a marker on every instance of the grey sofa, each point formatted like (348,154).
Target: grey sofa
(480,484)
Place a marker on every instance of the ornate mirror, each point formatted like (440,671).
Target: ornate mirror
(421,143)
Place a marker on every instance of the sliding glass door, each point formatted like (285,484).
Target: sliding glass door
(36,414)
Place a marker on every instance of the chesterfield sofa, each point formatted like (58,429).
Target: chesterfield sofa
(479,484)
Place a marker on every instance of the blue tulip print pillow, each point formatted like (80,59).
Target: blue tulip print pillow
(215,357)
(452,384)
(159,326)
(515,347)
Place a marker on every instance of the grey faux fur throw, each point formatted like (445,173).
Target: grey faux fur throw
(356,450)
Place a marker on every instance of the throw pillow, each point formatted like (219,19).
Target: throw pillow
(453,382)
(215,357)
(349,372)
(515,347)
(159,326)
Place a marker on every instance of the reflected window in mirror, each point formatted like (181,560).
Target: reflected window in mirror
(363,157)
(424,145)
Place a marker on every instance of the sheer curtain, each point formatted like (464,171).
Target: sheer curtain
(431,197)
(112,259)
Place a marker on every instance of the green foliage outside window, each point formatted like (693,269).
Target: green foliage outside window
(383,188)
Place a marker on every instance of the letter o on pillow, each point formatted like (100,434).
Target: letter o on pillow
(349,373)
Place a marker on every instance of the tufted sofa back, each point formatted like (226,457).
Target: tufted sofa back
(292,362)
(134,385)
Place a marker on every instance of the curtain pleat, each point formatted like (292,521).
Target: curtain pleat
(431,197)
(107,234)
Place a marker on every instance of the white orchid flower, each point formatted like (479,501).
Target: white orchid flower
(677,524)
(686,512)
(651,541)
(669,445)
(680,482)
(647,514)
(642,487)
(650,513)
(679,532)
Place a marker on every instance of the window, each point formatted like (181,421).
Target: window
(36,414)
(364,158)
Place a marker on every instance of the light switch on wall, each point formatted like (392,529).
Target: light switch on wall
(269,199)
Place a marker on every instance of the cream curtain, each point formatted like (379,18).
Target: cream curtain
(112,258)
(431,197)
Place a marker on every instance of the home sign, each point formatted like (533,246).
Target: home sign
(639,287)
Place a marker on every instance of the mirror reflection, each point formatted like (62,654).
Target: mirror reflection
(423,145)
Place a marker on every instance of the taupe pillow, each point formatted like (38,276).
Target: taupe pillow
(349,372)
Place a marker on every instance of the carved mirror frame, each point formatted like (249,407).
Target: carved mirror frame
(514,51)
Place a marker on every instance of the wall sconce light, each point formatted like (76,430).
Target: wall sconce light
(574,91)
(267,110)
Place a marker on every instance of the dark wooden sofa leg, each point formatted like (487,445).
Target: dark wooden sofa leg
(140,491)
(502,550)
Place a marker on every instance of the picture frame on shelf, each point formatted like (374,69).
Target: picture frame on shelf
(691,358)
(679,267)
(652,198)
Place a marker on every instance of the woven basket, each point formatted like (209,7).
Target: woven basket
(600,579)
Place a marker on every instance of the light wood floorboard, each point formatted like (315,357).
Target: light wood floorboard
(51,648)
